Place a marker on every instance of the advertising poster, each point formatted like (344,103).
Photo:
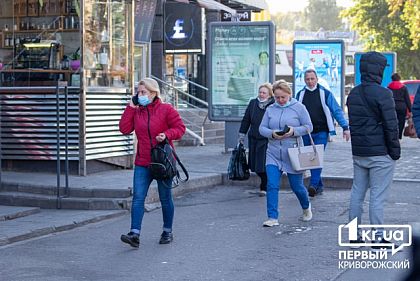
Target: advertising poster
(326,57)
(242,59)
(391,67)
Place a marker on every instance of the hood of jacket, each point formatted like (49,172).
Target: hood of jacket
(292,102)
(395,85)
(372,65)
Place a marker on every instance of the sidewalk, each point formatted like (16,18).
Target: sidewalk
(207,166)
(212,161)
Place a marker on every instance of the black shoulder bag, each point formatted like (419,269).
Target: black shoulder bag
(163,163)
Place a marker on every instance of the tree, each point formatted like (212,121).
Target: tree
(323,14)
(410,13)
(385,27)
(288,21)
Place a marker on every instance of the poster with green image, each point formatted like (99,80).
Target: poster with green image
(242,58)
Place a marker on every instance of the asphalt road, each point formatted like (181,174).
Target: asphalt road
(217,236)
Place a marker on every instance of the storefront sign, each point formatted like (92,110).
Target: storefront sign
(242,59)
(241,15)
(183,27)
(143,20)
(326,57)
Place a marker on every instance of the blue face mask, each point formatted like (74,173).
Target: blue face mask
(143,100)
(285,105)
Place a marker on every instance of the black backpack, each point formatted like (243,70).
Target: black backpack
(163,164)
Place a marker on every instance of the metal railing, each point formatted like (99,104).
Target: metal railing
(178,96)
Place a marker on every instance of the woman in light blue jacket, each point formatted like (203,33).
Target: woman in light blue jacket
(285,111)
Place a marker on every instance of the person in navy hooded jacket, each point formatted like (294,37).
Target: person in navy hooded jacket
(416,112)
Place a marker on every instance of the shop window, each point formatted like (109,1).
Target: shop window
(106,47)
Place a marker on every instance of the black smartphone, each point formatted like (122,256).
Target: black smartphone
(285,130)
(135,99)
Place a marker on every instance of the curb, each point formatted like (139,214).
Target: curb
(54,229)
(331,182)
(19,214)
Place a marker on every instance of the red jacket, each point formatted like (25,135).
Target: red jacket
(160,118)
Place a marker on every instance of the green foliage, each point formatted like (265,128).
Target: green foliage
(410,14)
(75,55)
(323,14)
(289,21)
(384,28)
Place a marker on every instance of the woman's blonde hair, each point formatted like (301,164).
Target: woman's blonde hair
(268,87)
(151,85)
(282,85)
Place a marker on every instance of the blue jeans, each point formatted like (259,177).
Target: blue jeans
(141,183)
(319,138)
(296,183)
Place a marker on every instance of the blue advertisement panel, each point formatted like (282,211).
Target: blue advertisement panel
(391,67)
(326,57)
(242,58)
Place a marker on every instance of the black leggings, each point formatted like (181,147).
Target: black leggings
(263,185)
(401,122)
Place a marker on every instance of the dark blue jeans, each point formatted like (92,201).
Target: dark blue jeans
(142,181)
(319,138)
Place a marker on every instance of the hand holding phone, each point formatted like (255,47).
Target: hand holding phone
(285,130)
(135,100)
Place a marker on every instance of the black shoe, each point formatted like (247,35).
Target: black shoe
(388,245)
(356,242)
(311,191)
(166,238)
(131,238)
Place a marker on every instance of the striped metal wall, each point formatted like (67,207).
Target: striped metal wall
(103,112)
(29,123)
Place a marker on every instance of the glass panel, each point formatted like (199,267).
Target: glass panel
(106,50)
(141,55)
(180,71)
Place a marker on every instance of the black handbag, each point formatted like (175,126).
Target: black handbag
(238,166)
(163,163)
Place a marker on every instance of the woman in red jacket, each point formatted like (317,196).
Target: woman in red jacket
(153,121)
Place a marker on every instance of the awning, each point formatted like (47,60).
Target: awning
(246,4)
(211,5)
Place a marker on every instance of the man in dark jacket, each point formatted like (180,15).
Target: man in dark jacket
(401,99)
(323,109)
(374,140)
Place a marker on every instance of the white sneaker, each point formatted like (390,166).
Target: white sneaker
(271,222)
(307,214)
(262,193)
